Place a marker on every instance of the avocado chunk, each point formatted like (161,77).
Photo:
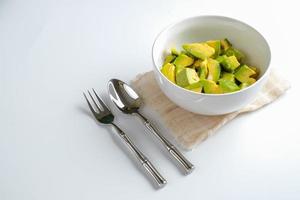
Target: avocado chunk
(229,63)
(243,85)
(182,61)
(227,76)
(243,74)
(256,72)
(197,63)
(199,50)
(203,70)
(174,52)
(216,44)
(234,52)
(225,44)
(196,87)
(169,58)
(228,86)
(210,87)
(186,77)
(214,69)
(169,71)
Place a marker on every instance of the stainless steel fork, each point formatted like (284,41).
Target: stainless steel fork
(105,116)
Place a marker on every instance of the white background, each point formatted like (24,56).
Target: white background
(51,148)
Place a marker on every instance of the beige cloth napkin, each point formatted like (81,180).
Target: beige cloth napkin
(189,129)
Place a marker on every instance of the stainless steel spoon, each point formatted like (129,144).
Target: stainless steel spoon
(129,102)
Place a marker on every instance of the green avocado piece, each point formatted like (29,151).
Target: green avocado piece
(186,77)
(199,50)
(203,70)
(228,86)
(225,44)
(214,69)
(234,52)
(169,71)
(174,52)
(169,58)
(216,44)
(182,61)
(243,74)
(243,85)
(229,63)
(197,63)
(210,87)
(196,87)
(256,72)
(227,76)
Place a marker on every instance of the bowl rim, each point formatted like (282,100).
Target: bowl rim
(217,17)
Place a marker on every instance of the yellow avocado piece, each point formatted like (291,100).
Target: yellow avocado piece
(225,44)
(174,52)
(197,63)
(243,74)
(182,61)
(228,86)
(211,87)
(216,44)
(256,72)
(199,50)
(186,77)
(229,63)
(203,70)
(169,58)
(196,87)
(169,71)
(214,70)
(227,76)
(244,85)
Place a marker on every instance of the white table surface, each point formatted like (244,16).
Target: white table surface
(50,148)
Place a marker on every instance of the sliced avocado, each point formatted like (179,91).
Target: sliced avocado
(234,52)
(199,50)
(186,77)
(228,86)
(225,44)
(227,76)
(197,63)
(174,52)
(244,85)
(182,61)
(196,87)
(214,70)
(203,70)
(256,72)
(210,87)
(229,63)
(169,71)
(216,44)
(169,58)
(244,73)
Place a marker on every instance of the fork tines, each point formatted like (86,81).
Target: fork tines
(100,106)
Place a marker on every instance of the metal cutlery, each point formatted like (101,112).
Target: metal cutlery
(103,115)
(129,102)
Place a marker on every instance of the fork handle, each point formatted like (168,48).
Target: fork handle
(183,161)
(158,178)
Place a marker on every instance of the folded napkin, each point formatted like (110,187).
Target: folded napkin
(189,129)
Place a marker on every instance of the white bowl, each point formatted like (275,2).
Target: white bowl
(202,28)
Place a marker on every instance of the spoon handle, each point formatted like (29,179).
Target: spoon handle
(184,162)
(158,178)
